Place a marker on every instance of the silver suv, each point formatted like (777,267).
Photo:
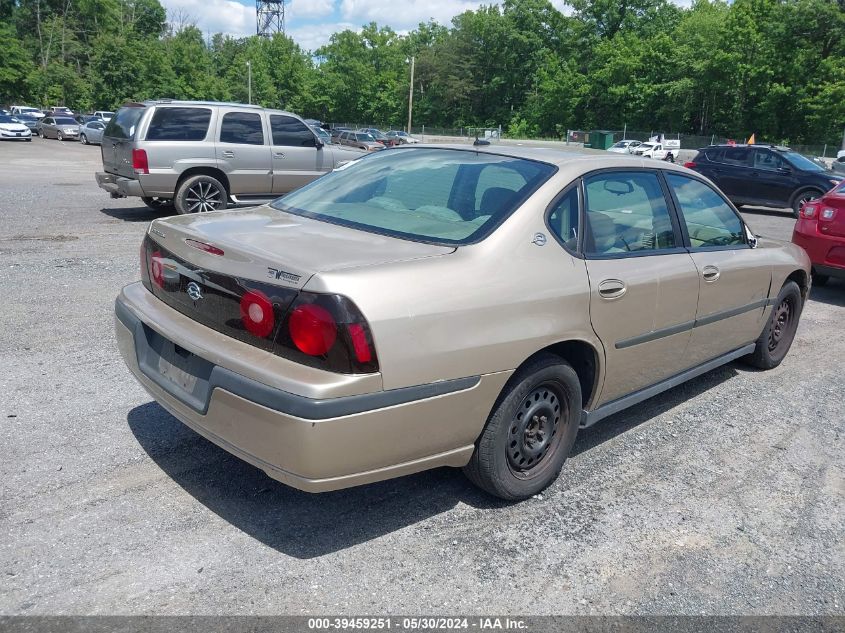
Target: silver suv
(200,156)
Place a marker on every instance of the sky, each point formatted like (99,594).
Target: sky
(311,22)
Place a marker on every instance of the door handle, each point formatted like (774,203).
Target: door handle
(278,155)
(228,154)
(710,273)
(612,289)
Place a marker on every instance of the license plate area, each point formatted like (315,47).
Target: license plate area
(177,370)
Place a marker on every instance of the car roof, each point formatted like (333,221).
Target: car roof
(571,159)
(779,148)
(225,104)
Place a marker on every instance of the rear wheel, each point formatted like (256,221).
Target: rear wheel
(802,197)
(530,432)
(83,139)
(777,336)
(199,194)
(670,158)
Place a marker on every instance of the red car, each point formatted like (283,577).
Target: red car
(820,230)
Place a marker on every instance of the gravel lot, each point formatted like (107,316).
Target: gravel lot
(723,496)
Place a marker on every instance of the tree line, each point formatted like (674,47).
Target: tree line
(774,67)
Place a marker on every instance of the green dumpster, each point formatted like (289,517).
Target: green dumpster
(599,139)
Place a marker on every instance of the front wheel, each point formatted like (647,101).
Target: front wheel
(777,336)
(83,139)
(200,194)
(803,197)
(60,136)
(669,158)
(530,432)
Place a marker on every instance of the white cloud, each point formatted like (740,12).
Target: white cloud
(309,9)
(312,36)
(215,16)
(412,12)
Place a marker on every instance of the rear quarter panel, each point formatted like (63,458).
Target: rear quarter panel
(482,309)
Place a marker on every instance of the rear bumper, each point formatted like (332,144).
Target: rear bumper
(827,253)
(314,444)
(118,186)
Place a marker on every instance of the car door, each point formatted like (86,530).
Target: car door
(643,283)
(735,278)
(96,129)
(47,126)
(243,153)
(297,159)
(733,172)
(772,179)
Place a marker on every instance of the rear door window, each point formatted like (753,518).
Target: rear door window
(626,213)
(738,156)
(291,132)
(765,159)
(244,128)
(179,124)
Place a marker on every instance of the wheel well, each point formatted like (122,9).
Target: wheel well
(804,190)
(584,360)
(800,277)
(205,171)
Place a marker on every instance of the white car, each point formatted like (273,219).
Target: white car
(12,129)
(659,151)
(105,115)
(18,109)
(623,147)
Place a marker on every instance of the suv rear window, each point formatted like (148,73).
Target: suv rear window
(124,123)
(179,124)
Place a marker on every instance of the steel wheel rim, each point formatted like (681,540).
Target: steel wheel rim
(534,431)
(781,321)
(203,197)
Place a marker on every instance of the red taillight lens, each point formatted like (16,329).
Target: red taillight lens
(312,329)
(157,269)
(203,246)
(139,161)
(257,313)
(690,164)
(359,343)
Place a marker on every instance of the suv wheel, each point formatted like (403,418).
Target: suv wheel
(530,432)
(199,194)
(803,196)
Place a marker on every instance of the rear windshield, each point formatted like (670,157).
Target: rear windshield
(179,124)
(437,196)
(125,122)
(65,121)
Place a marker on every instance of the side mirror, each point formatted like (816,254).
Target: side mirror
(752,239)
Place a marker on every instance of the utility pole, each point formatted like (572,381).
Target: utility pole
(249,80)
(411,96)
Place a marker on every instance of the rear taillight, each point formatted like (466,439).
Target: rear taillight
(139,161)
(808,211)
(329,332)
(257,313)
(690,164)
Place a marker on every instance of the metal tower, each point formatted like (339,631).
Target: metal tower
(269,17)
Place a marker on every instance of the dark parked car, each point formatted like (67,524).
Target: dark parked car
(380,136)
(766,175)
(29,121)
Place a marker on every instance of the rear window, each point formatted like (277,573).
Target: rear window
(179,124)
(124,123)
(736,156)
(65,121)
(429,195)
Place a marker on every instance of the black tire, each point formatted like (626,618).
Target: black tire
(801,197)
(199,194)
(60,136)
(530,431)
(669,158)
(820,280)
(83,139)
(159,204)
(39,133)
(777,336)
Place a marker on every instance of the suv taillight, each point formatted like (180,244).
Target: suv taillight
(690,164)
(139,161)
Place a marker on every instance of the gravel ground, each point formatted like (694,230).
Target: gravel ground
(722,496)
